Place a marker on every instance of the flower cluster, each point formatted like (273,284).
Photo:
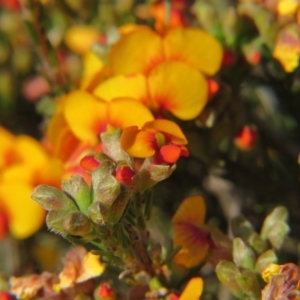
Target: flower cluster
(136,90)
(123,106)
(117,130)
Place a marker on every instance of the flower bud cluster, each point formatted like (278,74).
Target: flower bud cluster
(252,253)
(111,209)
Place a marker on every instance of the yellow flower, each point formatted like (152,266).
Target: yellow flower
(88,116)
(287,48)
(171,86)
(93,69)
(189,232)
(287,7)
(142,49)
(24,163)
(80,38)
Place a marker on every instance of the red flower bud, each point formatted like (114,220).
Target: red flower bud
(124,174)
(229,58)
(213,88)
(89,163)
(105,292)
(246,138)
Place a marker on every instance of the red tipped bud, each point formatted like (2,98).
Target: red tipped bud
(124,174)
(105,292)
(246,138)
(89,163)
(213,88)
(254,57)
(173,297)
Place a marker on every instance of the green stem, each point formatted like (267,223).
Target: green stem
(49,66)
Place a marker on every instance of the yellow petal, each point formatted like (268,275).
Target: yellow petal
(91,267)
(62,140)
(50,174)
(287,7)
(194,241)
(59,135)
(136,52)
(30,151)
(195,47)
(25,216)
(92,68)
(125,112)
(287,48)
(270,271)
(191,210)
(85,115)
(178,88)
(19,173)
(80,38)
(167,126)
(193,289)
(137,143)
(188,232)
(131,86)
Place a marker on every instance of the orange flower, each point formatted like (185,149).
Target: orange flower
(170,86)
(143,49)
(161,138)
(189,232)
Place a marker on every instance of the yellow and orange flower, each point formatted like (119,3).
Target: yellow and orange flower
(160,138)
(80,38)
(87,116)
(171,86)
(287,47)
(189,232)
(64,145)
(143,49)
(24,163)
